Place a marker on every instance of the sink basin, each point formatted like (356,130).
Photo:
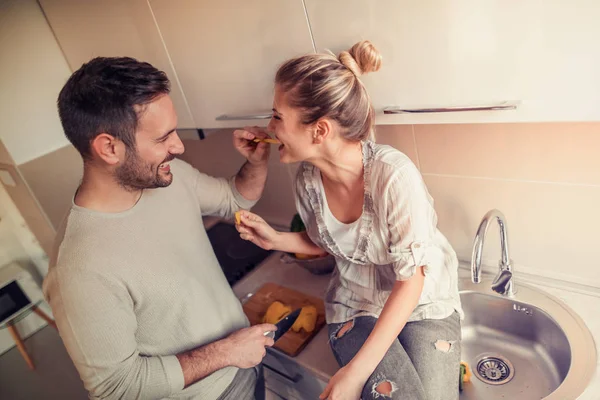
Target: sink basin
(528,347)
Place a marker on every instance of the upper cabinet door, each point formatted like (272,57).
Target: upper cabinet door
(226,52)
(542,54)
(113,28)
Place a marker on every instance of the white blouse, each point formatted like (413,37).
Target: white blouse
(396,233)
(346,234)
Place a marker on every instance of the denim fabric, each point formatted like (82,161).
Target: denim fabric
(423,364)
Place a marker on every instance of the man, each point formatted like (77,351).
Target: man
(140,300)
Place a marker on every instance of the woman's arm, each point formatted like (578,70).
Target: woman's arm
(296,242)
(253,228)
(398,308)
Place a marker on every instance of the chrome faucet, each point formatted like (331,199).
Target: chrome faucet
(503,283)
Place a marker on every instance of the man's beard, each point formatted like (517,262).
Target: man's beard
(136,174)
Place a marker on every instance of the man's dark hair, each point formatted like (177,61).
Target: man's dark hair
(104,95)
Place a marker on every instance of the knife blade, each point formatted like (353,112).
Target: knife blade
(284,325)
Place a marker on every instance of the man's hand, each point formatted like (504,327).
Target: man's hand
(255,153)
(246,347)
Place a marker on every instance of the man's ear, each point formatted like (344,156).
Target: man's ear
(108,148)
(323,128)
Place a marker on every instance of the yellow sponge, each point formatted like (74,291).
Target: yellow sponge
(467,374)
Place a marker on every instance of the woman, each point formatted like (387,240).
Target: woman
(393,309)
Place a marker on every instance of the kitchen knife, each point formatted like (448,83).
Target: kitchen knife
(284,325)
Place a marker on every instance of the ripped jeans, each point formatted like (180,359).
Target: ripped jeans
(423,364)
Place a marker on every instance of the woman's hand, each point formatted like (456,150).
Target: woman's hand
(256,230)
(346,384)
(255,153)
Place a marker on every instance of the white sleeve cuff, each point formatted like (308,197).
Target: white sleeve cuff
(240,200)
(407,260)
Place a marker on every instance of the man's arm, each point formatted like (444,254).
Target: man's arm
(251,178)
(219,196)
(243,349)
(97,323)
(222,197)
(98,326)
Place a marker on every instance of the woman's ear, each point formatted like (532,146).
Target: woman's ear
(322,130)
(107,148)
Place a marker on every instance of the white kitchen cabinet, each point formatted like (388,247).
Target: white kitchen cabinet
(471,52)
(110,28)
(226,52)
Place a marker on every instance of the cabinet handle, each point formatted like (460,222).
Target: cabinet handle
(295,379)
(506,105)
(230,117)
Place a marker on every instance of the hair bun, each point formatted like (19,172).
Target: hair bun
(362,58)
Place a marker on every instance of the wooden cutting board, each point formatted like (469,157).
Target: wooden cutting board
(291,342)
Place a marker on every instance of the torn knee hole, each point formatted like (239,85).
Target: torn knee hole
(444,346)
(344,329)
(384,388)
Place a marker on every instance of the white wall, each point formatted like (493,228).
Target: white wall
(32,72)
(10,246)
(17,244)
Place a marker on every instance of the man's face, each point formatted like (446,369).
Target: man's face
(157,143)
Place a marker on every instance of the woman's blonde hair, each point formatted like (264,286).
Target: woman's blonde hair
(323,85)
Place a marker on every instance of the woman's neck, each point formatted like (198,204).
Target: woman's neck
(341,164)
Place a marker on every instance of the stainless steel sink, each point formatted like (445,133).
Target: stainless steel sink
(530,346)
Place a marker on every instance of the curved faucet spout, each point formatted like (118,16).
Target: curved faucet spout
(503,283)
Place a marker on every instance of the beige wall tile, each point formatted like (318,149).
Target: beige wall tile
(216,156)
(551,225)
(552,228)
(400,137)
(556,152)
(53,179)
(188,134)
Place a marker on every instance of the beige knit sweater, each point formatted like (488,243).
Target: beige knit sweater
(130,290)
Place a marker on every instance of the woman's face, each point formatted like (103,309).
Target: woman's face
(296,138)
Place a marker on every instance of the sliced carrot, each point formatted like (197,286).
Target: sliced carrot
(267,140)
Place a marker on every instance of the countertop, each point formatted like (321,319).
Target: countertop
(317,356)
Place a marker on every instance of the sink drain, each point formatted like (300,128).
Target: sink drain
(494,369)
